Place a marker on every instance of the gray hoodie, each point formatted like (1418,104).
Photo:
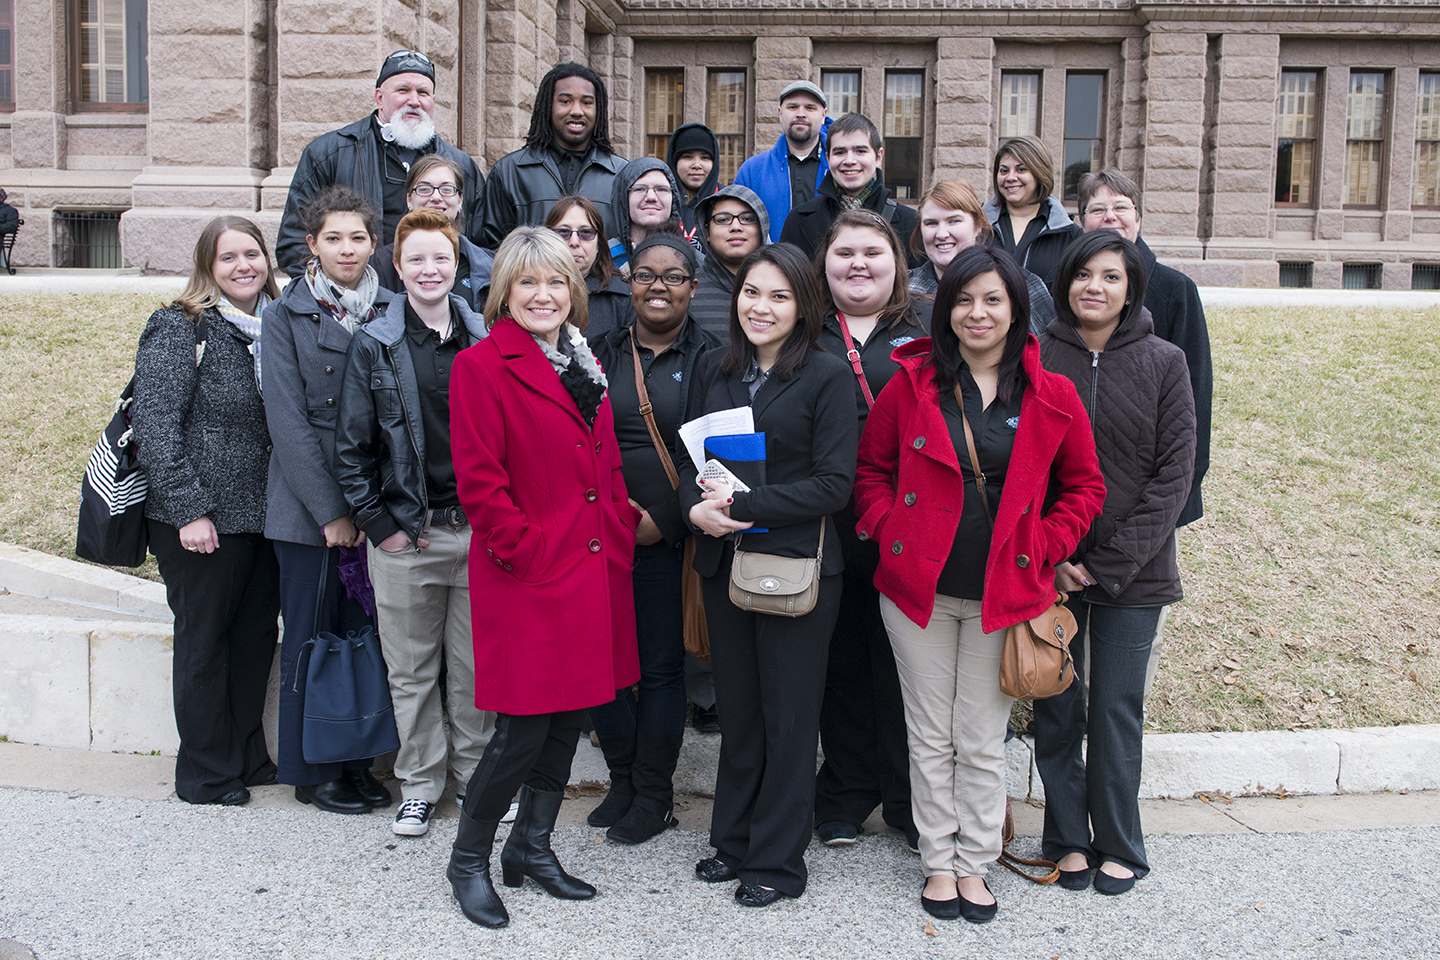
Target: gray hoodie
(710,308)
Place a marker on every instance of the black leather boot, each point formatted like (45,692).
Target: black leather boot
(620,758)
(469,872)
(653,776)
(527,853)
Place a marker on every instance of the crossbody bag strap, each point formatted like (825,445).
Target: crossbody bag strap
(819,551)
(853,356)
(974,458)
(648,412)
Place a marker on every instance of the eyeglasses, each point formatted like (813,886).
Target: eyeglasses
(1100,210)
(640,190)
(402,54)
(645,278)
(586,234)
(725,219)
(446,190)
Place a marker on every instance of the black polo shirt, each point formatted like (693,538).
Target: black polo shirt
(804,175)
(645,476)
(434,359)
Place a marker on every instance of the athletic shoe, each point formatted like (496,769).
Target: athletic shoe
(413,818)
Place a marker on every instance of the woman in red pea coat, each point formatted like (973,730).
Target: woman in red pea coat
(538,471)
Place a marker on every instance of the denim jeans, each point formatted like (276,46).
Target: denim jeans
(660,634)
(1098,792)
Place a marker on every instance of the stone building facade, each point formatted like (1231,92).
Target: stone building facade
(1293,141)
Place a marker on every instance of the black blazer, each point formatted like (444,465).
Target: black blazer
(811,435)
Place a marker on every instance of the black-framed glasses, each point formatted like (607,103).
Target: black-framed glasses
(402,54)
(725,219)
(586,234)
(645,278)
(446,190)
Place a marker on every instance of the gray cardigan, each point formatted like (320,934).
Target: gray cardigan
(304,350)
(203,440)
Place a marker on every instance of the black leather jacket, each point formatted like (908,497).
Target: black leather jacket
(379,435)
(524,185)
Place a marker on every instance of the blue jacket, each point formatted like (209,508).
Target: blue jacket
(768,174)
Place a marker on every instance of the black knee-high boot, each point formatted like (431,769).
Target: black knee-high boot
(653,776)
(469,872)
(527,853)
(620,758)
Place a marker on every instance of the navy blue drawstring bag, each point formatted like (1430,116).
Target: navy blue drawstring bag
(348,713)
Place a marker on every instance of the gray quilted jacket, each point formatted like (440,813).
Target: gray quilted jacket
(1142,411)
(203,439)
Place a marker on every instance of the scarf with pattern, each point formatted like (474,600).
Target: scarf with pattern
(579,372)
(350,307)
(248,324)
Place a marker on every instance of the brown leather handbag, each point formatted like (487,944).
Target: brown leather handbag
(1035,662)
(697,632)
(779,586)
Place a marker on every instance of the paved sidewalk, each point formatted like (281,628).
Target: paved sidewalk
(101,862)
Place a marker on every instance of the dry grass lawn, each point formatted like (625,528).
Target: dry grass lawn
(1313,583)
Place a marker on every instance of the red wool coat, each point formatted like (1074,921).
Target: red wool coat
(553,533)
(909,491)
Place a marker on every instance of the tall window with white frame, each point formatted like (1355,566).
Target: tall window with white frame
(1427,142)
(664,109)
(904,132)
(1084,129)
(725,115)
(1364,138)
(1019,104)
(842,91)
(1295,113)
(111,53)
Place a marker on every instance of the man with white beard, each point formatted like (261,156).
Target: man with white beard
(373,157)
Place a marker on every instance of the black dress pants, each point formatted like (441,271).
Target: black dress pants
(769,681)
(533,749)
(862,721)
(226,607)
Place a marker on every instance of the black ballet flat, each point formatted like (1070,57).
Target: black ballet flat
(1113,886)
(941,909)
(973,912)
(754,895)
(1075,879)
(715,870)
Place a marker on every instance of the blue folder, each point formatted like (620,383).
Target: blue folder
(743,454)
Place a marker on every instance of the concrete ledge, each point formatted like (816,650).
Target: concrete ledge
(1182,764)
(1290,297)
(23,570)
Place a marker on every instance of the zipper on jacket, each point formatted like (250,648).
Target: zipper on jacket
(1094,382)
(409,432)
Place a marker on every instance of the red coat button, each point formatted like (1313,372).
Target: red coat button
(594,546)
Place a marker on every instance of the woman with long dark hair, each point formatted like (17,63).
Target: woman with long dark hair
(1137,392)
(958,566)
(869,313)
(200,427)
(769,669)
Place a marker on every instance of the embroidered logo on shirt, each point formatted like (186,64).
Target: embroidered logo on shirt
(1013,423)
(900,341)
(677,375)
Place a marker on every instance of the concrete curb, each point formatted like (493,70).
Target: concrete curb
(104,684)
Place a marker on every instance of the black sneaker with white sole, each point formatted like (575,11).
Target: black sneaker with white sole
(413,818)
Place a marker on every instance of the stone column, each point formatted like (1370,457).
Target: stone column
(964,131)
(512,73)
(625,119)
(1174,130)
(210,144)
(1241,243)
(779,61)
(1130,152)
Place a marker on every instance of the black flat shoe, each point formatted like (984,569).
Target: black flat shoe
(371,790)
(230,798)
(973,912)
(941,909)
(754,895)
(336,796)
(1075,879)
(1112,886)
(715,870)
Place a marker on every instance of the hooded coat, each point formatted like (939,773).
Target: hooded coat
(621,249)
(1056,233)
(672,156)
(710,307)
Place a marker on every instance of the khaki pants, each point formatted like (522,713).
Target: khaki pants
(422,609)
(955,716)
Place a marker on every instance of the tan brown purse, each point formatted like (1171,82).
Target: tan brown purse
(697,632)
(780,586)
(1035,662)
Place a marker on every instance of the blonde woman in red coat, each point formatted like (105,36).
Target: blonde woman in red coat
(949,585)
(538,471)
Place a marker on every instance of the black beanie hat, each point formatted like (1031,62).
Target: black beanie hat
(405,61)
(692,137)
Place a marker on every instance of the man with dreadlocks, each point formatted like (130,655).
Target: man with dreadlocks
(566,152)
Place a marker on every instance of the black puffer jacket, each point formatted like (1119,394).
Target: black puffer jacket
(350,157)
(524,185)
(379,434)
(203,440)
(806,225)
(1137,393)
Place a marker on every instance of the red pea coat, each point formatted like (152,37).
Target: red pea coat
(553,533)
(909,491)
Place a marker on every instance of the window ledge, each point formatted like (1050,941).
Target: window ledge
(107,119)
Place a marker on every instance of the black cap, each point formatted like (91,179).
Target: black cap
(692,136)
(406,61)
